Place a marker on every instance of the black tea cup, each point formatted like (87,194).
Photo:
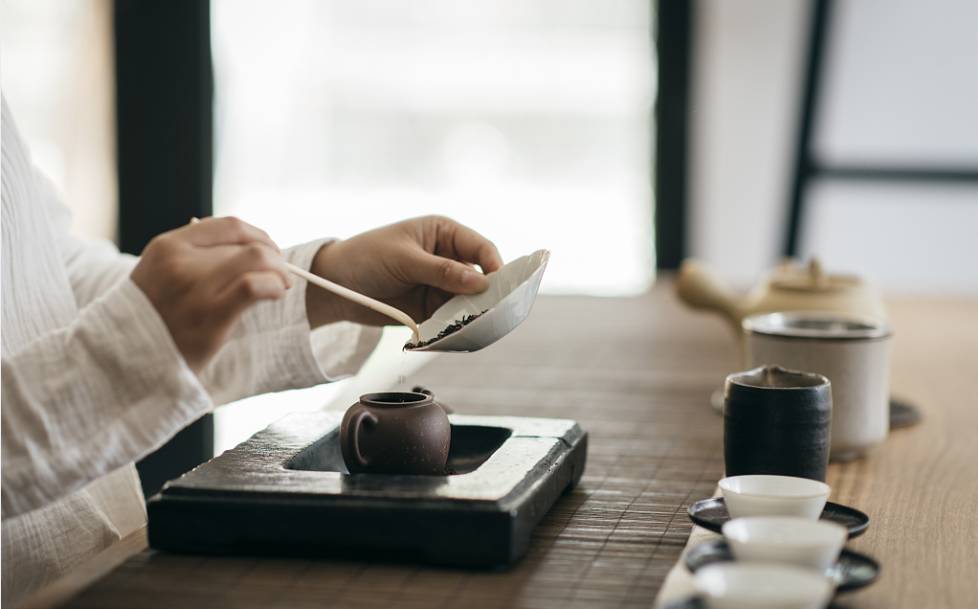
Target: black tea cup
(777,421)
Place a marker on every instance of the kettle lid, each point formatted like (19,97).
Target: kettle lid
(811,277)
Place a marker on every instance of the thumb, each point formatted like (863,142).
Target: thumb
(447,274)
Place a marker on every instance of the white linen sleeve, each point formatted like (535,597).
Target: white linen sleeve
(274,348)
(271,349)
(88,398)
(93,266)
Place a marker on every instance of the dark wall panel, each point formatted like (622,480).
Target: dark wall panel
(164,92)
(673,43)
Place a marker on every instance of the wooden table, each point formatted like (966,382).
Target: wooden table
(637,374)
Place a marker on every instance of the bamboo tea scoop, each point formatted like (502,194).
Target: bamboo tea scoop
(357,297)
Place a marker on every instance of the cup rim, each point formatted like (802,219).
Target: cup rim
(740,379)
(824,489)
(791,324)
(816,583)
(829,533)
(377,399)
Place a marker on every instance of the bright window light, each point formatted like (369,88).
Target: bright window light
(525,119)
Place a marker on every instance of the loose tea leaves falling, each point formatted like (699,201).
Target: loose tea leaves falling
(450,329)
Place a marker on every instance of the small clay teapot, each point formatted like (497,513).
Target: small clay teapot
(396,433)
(789,287)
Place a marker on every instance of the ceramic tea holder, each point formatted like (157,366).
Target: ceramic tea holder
(498,310)
(853,353)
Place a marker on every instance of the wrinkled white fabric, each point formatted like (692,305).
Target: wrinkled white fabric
(92,380)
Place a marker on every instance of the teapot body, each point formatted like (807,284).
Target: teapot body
(858,299)
(396,433)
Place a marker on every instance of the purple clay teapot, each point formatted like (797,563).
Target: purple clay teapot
(396,433)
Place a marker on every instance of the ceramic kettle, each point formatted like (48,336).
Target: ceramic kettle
(789,287)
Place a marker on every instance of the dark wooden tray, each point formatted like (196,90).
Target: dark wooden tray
(284,492)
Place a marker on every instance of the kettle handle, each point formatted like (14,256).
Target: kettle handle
(700,289)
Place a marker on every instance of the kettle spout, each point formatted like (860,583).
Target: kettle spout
(701,289)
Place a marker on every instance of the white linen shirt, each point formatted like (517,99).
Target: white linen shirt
(92,380)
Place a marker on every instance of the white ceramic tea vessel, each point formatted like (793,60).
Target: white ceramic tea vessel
(507,302)
(854,354)
(764,495)
(762,586)
(792,540)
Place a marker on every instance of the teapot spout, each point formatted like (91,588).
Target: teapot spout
(701,289)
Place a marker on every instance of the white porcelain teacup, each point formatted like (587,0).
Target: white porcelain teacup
(734,585)
(786,539)
(764,495)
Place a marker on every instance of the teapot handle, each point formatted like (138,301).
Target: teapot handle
(358,421)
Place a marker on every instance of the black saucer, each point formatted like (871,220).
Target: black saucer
(692,602)
(712,513)
(851,572)
(903,414)
(695,602)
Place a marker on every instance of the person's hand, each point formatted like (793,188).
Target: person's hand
(415,265)
(201,277)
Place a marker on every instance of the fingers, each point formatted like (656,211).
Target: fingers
(229,230)
(469,245)
(254,257)
(434,299)
(446,274)
(249,288)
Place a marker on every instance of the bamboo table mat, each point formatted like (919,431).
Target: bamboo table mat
(636,373)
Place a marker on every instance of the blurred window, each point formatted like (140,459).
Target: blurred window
(526,119)
(57,78)
(900,91)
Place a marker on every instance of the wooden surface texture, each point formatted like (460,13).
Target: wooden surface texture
(637,374)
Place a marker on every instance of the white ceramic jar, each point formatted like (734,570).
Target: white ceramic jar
(853,353)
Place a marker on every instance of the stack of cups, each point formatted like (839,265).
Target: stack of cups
(818,389)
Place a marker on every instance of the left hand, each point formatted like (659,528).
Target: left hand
(415,265)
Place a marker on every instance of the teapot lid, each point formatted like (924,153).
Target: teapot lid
(811,277)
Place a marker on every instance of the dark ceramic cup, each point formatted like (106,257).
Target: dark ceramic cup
(396,433)
(777,421)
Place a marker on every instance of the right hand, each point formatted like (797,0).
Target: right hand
(202,277)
